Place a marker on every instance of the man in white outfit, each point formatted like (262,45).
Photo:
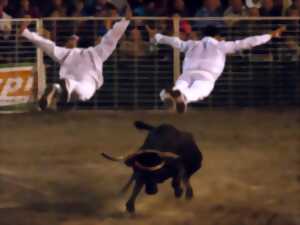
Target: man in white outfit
(81,70)
(204,63)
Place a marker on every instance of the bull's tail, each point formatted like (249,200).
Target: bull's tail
(143,126)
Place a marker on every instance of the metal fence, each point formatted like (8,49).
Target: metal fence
(138,69)
(19,62)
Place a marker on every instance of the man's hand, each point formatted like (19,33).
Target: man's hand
(128,13)
(24,25)
(151,31)
(277,33)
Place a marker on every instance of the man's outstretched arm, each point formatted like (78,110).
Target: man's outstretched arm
(230,47)
(48,46)
(175,42)
(110,40)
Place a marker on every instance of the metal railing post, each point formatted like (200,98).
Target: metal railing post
(176,52)
(40,79)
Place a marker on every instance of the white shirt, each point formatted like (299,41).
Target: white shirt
(75,63)
(79,63)
(209,54)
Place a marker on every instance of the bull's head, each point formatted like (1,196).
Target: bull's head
(146,163)
(146,160)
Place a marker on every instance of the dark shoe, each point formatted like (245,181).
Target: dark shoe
(62,102)
(168,99)
(48,100)
(64,96)
(181,103)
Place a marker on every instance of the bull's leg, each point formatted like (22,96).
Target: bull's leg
(189,193)
(176,184)
(128,184)
(136,190)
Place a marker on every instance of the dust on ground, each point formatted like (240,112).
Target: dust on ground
(51,172)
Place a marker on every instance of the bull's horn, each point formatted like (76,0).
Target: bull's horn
(149,168)
(129,159)
(123,159)
(169,155)
(159,153)
(112,158)
(163,155)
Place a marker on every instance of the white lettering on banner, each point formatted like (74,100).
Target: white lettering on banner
(12,85)
(29,84)
(16,85)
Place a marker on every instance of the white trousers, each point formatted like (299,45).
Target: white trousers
(81,90)
(195,86)
(84,87)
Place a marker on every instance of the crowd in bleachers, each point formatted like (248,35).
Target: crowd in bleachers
(136,54)
(137,42)
(138,36)
(185,8)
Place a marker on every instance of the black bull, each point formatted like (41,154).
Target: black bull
(166,153)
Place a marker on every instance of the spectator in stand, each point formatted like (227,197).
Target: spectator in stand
(5,26)
(121,5)
(58,9)
(236,9)
(179,9)
(5,33)
(249,27)
(112,11)
(210,8)
(88,7)
(162,7)
(25,9)
(150,9)
(280,6)
(185,30)
(293,11)
(295,5)
(192,6)
(292,52)
(58,30)
(78,9)
(268,8)
(253,12)
(135,46)
(103,8)
(164,26)
(137,7)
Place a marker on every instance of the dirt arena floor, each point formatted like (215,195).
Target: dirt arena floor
(51,171)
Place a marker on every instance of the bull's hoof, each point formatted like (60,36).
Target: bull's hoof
(130,207)
(189,194)
(178,192)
